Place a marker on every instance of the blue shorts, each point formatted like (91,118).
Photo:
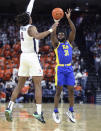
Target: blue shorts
(64,76)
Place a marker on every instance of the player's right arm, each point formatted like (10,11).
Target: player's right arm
(54,39)
(33,32)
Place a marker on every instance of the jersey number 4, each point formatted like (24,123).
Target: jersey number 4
(21,36)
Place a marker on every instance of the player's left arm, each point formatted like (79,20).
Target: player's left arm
(72,26)
(33,32)
(30,7)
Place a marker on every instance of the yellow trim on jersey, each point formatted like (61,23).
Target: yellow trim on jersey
(57,59)
(56,52)
(69,43)
(64,64)
(56,79)
(57,46)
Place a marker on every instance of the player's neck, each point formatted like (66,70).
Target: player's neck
(64,41)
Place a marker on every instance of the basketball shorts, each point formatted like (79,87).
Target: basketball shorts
(64,76)
(29,65)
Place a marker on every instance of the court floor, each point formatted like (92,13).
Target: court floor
(88,118)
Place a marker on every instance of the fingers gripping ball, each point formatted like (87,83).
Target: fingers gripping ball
(57,13)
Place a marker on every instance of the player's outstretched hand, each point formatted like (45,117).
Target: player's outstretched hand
(68,13)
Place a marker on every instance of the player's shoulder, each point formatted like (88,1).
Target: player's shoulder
(31,27)
(68,42)
(31,30)
(24,28)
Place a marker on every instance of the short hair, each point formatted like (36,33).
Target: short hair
(23,19)
(62,31)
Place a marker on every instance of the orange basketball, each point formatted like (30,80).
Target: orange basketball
(57,13)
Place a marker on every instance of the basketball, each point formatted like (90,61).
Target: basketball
(57,13)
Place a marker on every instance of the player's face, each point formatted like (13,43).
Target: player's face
(61,36)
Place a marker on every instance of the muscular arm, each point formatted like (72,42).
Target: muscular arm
(72,26)
(54,39)
(73,30)
(32,31)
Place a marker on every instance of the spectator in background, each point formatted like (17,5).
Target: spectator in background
(90,39)
(2,96)
(8,91)
(78,77)
(96,50)
(84,79)
(24,92)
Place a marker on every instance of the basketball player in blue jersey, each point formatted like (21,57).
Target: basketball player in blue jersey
(64,71)
(29,62)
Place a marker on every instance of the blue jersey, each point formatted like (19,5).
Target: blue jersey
(64,72)
(64,53)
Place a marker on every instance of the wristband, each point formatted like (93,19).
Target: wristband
(50,30)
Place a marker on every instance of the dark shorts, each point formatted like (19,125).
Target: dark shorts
(64,76)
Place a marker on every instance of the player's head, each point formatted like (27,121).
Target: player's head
(23,19)
(61,36)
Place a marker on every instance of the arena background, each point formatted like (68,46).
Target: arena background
(11,6)
(86,15)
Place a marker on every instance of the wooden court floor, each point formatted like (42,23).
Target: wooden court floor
(88,118)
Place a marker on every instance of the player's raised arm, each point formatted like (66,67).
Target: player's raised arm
(32,31)
(72,26)
(30,7)
(54,39)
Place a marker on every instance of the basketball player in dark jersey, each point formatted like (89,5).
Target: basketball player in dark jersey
(64,71)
